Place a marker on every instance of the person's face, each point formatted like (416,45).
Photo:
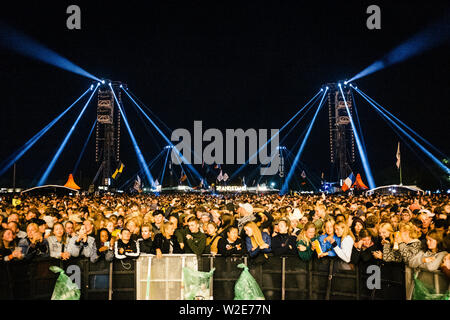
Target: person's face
(211,230)
(431,243)
(366,241)
(193,226)
(58,230)
(339,231)
(329,228)
(384,233)
(233,235)
(110,226)
(103,236)
(205,219)
(8,236)
(310,233)
(170,230)
(159,218)
(173,220)
(282,227)
(304,220)
(30,215)
(135,209)
(358,227)
(31,230)
(126,235)
(248,231)
(13,227)
(405,216)
(145,233)
(120,223)
(426,221)
(13,217)
(69,228)
(88,226)
(131,226)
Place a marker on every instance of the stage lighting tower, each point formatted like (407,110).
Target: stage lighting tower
(107,142)
(342,140)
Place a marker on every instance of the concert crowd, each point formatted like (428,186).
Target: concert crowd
(354,229)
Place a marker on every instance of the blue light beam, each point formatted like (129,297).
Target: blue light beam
(429,38)
(428,153)
(164,168)
(24,45)
(406,126)
(139,155)
(75,168)
(55,158)
(361,148)
(8,163)
(269,140)
(302,146)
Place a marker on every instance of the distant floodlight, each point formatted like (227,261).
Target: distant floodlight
(103,81)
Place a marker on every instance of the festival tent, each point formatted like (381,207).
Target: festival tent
(71,183)
(359,184)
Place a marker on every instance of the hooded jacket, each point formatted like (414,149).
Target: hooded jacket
(417,260)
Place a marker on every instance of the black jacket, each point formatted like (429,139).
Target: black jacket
(146,246)
(130,249)
(164,244)
(281,243)
(226,248)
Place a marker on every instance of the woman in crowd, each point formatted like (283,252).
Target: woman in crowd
(104,245)
(58,243)
(212,238)
(165,241)
(125,247)
(344,251)
(145,242)
(325,239)
(8,249)
(388,254)
(83,245)
(284,243)
(256,241)
(357,226)
(34,245)
(364,249)
(431,259)
(231,244)
(407,242)
(304,241)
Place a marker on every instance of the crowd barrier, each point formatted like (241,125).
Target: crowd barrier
(148,278)
(435,280)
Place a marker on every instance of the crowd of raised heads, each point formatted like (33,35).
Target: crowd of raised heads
(377,229)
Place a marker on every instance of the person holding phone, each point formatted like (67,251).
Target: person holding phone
(34,245)
(83,245)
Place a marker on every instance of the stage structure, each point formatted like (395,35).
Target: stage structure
(342,140)
(107,139)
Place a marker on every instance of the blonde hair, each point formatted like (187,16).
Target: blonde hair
(302,234)
(256,238)
(329,220)
(347,231)
(388,227)
(164,227)
(410,228)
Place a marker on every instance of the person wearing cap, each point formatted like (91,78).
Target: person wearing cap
(294,218)
(245,213)
(427,218)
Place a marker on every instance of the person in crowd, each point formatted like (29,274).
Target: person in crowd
(256,241)
(158,217)
(344,251)
(325,239)
(364,249)
(195,240)
(245,214)
(83,245)
(133,226)
(388,254)
(231,244)
(58,242)
(407,242)
(166,242)
(8,249)
(179,232)
(34,246)
(212,238)
(125,247)
(305,240)
(284,243)
(145,241)
(89,227)
(295,217)
(69,229)
(14,227)
(104,244)
(431,259)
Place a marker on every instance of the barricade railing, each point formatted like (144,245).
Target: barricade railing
(280,278)
(435,280)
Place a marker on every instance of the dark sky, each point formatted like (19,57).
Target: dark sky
(232,64)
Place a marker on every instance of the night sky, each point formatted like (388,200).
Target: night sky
(231,64)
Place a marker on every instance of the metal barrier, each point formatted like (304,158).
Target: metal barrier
(280,278)
(432,279)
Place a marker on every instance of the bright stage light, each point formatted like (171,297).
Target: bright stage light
(103,81)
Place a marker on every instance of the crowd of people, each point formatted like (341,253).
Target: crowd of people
(353,229)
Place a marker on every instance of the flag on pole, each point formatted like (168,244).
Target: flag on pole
(348,182)
(220,176)
(225,177)
(137,184)
(398,156)
(118,171)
